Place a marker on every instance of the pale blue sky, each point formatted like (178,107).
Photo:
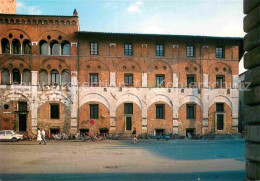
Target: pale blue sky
(185,17)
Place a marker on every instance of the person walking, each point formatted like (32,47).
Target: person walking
(134,134)
(43,136)
(39,136)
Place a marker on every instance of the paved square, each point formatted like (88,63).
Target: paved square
(149,159)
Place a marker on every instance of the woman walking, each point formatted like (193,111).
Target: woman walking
(39,136)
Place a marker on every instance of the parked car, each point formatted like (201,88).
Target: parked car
(10,135)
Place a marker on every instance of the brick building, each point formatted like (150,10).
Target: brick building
(58,78)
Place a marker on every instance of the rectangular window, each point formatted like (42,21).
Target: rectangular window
(128,79)
(22,106)
(159,50)
(190,111)
(190,51)
(128,108)
(160,81)
(220,107)
(93,79)
(55,111)
(220,81)
(93,111)
(128,49)
(93,48)
(159,111)
(191,82)
(219,52)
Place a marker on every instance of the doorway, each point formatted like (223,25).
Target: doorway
(128,125)
(220,122)
(103,131)
(22,122)
(190,132)
(159,132)
(54,130)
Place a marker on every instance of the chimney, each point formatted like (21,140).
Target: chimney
(75,13)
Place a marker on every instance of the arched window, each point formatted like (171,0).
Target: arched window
(12,21)
(16,76)
(65,48)
(65,77)
(16,47)
(17,21)
(73,22)
(5,77)
(55,77)
(5,46)
(26,47)
(44,47)
(43,77)
(22,22)
(55,48)
(56,22)
(26,76)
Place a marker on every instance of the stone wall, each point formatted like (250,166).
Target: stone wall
(252,97)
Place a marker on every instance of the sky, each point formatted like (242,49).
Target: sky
(182,17)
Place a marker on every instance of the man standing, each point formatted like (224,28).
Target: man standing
(43,136)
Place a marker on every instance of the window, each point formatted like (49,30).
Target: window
(219,52)
(26,76)
(190,111)
(22,106)
(190,51)
(55,111)
(160,81)
(93,79)
(220,107)
(93,111)
(159,50)
(128,108)
(16,47)
(93,49)
(8,132)
(128,79)
(43,77)
(55,77)
(65,48)
(128,49)
(44,47)
(5,77)
(26,47)
(2,133)
(191,81)
(220,79)
(55,48)
(159,111)
(65,77)
(5,46)
(16,76)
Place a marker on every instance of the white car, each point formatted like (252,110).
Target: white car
(10,135)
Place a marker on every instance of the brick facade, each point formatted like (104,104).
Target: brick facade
(50,34)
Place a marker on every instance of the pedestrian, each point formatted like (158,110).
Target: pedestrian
(134,134)
(43,136)
(39,137)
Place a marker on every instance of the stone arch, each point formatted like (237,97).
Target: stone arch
(16,33)
(84,65)
(220,63)
(54,96)
(59,65)
(128,97)
(11,63)
(14,96)
(190,98)
(160,98)
(54,35)
(220,98)
(95,98)
(131,62)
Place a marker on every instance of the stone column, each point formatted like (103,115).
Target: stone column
(144,80)
(252,97)
(74,98)
(34,106)
(112,79)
